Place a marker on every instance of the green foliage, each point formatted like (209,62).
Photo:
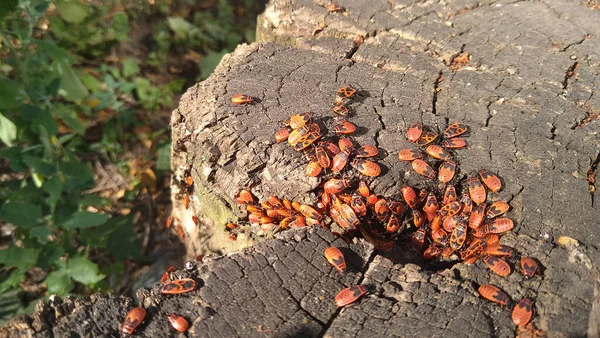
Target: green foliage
(59,80)
(46,105)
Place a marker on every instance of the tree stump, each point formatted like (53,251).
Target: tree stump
(521,75)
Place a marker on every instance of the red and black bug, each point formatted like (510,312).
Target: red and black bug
(336,258)
(178,323)
(446,171)
(133,319)
(322,157)
(282,134)
(423,168)
(344,127)
(459,235)
(529,266)
(244,197)
(349,295)
(343,94)
(418,218)
(500,225)
(366,167)
(454,130)
(381,209)
(409,155)
(497,265)
(340,110)
(366,151)
(167,274)
(414,132)
(476,216)
(450,209)
(358,205)
(418,238)
(476,190)
(300,120)
(437,152)
(522,312)
(313,169)
(178,286)
(491,180)
(336,185)
(242,99)
(496,209)
(498,250)
(454,143)
(409,195)
(169,221)
(340,160)
(426,138)
(449,195)
(494,294)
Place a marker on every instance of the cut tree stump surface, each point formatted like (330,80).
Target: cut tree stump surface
(526,91)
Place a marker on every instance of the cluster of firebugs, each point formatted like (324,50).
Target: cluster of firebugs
(442,224)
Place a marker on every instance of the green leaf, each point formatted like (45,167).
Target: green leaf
(122,242)
(11,304)
(49,256)
(210,62)
(8,130)
(71,119)
(58,281)
(78,175)
(50,47)
(23,215)
(14,279)
(120,22)
(91,82)
(85,219)
(7,6)
(71,11)
(9,94)
(130,67)
(53,187)
(164,157)
(71,87)
(20,257)
(180,26)
(84,271)
(39,165)
(15,156)
(91,200)
(38,117)
(41,233)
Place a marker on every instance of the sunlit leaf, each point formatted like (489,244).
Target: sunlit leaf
(72,11)
(130,67)
(8,130)
(59,281)
(180,26)
(84,271)
(71,87)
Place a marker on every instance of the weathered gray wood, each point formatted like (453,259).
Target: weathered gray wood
(522,108)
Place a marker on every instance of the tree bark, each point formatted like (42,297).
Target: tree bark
(522,75)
